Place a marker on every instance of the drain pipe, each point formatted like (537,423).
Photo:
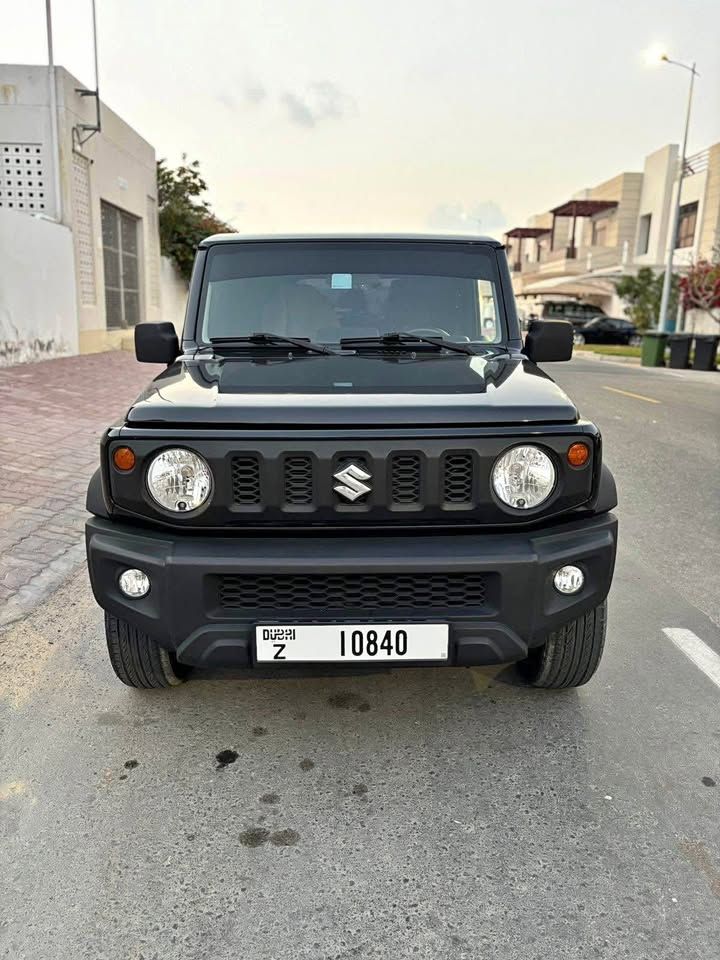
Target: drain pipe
(54,135)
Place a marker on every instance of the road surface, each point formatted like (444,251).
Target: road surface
(409,814)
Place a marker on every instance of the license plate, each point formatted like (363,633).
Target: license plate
(378,642)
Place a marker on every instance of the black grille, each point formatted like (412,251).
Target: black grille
(298,480)
(246,480)
(287,486)
(458,478)
(405,478)
(340,591)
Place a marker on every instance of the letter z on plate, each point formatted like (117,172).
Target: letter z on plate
(382,642)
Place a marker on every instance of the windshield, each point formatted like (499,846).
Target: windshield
(327,291)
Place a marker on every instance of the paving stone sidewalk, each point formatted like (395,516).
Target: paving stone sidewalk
(52,415)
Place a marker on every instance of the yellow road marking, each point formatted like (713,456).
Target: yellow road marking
(635,396)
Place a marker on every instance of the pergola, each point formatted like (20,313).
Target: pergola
(575,209)
(524,233)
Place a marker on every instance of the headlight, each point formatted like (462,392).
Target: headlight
(523,477)
(179,480)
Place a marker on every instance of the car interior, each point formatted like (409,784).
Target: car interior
(327,308)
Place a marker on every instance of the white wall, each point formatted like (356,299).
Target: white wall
(700,321)
(121,172)
(173,294)
(657,186)
(116,165)
(25,113)
(38,309)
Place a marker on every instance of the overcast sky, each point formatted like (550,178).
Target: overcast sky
(390,114)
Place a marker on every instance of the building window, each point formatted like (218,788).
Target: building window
(120,258)
(685,236)
(644,233)
(599,232)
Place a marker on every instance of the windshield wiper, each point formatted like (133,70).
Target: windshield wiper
(400,339)
(264,339)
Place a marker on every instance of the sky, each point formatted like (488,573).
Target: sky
(392,115)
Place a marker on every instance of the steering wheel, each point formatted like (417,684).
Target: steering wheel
(431,331)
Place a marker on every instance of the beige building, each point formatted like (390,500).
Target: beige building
(77,188)
(578,248)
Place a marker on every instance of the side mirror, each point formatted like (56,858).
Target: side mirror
(548,341)
(156,343)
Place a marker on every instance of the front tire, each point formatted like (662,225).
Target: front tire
(571,655)
(137,659)
(579,340)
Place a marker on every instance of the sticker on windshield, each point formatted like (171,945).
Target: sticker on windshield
(341,281)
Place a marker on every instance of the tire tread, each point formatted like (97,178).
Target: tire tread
(136,658)
(571,654)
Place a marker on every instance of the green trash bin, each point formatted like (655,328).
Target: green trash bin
(653,349)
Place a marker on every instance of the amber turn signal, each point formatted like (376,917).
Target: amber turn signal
(123,458)
(578,454)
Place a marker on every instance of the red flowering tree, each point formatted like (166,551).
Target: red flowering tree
(700,287)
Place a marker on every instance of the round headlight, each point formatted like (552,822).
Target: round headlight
(179,480)
(523,477)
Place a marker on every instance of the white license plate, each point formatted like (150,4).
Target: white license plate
(377,642)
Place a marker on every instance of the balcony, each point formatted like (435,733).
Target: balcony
(569,260)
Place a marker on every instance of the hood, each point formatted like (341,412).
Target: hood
(367,390)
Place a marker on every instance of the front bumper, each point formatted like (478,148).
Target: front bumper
(186,609)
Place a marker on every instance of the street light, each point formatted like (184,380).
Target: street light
(653,56)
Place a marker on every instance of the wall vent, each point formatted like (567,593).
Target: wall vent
(23,182)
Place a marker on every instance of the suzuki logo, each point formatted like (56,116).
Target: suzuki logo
(351,484)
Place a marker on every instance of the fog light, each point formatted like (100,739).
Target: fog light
(134,583)
(569,579)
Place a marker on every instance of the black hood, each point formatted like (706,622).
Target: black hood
(373,390)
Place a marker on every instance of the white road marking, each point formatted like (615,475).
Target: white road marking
(636,367)
(696,650)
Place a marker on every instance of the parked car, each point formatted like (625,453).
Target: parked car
(603,329)
(352,458)
(576,311)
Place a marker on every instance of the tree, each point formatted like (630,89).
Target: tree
(641,295)
(700,287)
(185,218)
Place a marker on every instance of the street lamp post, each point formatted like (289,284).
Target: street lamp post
(675,219)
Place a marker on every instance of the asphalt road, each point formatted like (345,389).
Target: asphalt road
(409,814)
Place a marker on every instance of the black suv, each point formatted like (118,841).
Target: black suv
(352,458)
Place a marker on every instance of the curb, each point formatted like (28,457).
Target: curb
(29,597)
(606,357)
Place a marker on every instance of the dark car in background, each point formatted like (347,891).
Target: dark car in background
(576,311)
(603,329)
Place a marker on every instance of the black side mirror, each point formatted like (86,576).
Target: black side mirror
(156,343)
(548,341)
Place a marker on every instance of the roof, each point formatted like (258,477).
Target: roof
(570,286)
(583,208)
(525,232)
(414,237)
